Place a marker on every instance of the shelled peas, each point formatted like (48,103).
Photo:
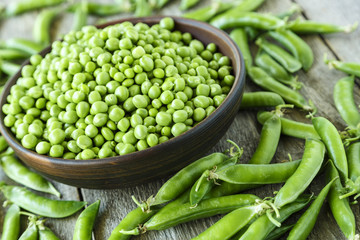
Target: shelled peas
(117,90)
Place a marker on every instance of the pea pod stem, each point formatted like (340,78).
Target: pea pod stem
(311,27)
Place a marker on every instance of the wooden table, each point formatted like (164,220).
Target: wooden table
(318,86)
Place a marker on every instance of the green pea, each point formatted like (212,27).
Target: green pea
(146,63)
(123,124)
(178,128)
(83,108)
(84,142)
(139,101)
(167,23)
(180,116)
(29,141)
(36,130)
(163,119)
(199,114)
(56,151)
(88,154)
(201,101)
(126,149)
(99,140)
(100,119)
(142,145)
(107,133)
(91,131)
(129,137)
(116,114)
(98,107)
(43,147)
(57,136)
(166,97)
(122,93)
(152,140)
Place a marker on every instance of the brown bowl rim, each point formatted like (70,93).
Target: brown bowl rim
(236,90)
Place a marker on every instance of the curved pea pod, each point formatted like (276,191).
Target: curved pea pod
(309,167)
(11,225)
(41,31)
(275,70)
(240,38)
(80,16)
(21,174)
(186,177)
(260,99)
(85,222)
(306,222)
(186,4)
(31,233)
(16,8)
(334,146)
(39,205)
(269,139)
(3,144)
(257,173)
(311,27)
(344,101)
(9,68)
(261,78)
(340,208)
(12,54)
(45,233)
(289,62)
(290,127)
(297,46)
(262,226)
(246,19)
(352,68)
(203,186)
(226,188)
(206,13)
(28,46)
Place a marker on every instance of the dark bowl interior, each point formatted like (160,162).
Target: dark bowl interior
(155,162)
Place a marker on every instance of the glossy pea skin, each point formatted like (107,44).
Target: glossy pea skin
(296,45)
(186,177)
(340,208)
(344,101)
(334,146)
(260,99)
(45,233)
(240,38)
(11,225)
(21,174)
(85,222)
(269,139)
(31,233)
(291,127)
(306,222)
(39,205)
(353,157)
(309,167)
(261,78)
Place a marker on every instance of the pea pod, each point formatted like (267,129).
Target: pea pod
(310,27)
(290,127)
(278,232)
(344,101)
(243,6)
(257,173)
(289,62)
(261,78)
(85,222)
(80,16)
(28,46)
(269,139)
(186,4)
(39,205)
(143,8)
(175,215)
(21,174)
(183,179)
(240,38)
(262,226)
(334,146)
(206,13)
(9,68)
(45,233)
(275,70)
(306,222)
(352,68)
(41,31)
(226,188)
(102,10)
(243,19)
(260,99)
(309,167)
(296,45)
(12,54)
(3,144)
(31,233)
(19,7)
(340,208)
(11,225)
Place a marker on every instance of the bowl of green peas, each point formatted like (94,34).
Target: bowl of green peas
(123,103)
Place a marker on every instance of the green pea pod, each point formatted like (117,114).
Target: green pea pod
(311,27)
(31,233)
(186,4)
(143,8)
(262,226)
(41,31)
(290,127)
(309,167)
(45,233)
(334,146)
(278,232)
(12,54)
(102,10)
(289,62)
(80,16)
(19,7)
(39,205)
(186,177)
(344,101)
(85,222)
(243,6)
(257,173)
(11,225)
(352,68)
(21,174)
(246,19)
(340,208)
(9,68)
(260,99)
(202,186)
(275,70)
(261,78)
(296,45)
(269,139)
(240,38)
(226,188)
(306,222)
(206,13)
(3,144)
(28,46)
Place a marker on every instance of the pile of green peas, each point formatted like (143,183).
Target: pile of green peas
(112,91)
